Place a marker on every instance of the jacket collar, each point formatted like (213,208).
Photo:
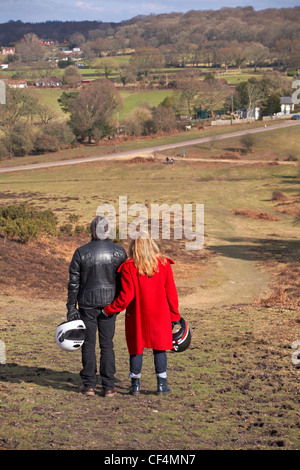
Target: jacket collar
(130,260)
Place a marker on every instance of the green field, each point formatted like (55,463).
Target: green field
(49,98)
(130,100)
(236,387)
(119,60)
(135,99)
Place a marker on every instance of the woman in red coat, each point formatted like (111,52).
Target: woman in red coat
(150,298)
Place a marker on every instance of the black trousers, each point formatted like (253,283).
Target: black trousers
(105,326)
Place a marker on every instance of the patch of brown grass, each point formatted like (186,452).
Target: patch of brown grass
(255,214)
(228,156)
(290,206)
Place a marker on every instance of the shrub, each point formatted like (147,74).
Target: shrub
(24,223)
(4,153)
(73,218)
(139,121)
(45,143)
(67,228)
(19,140)
(248,141)
(62,132)
(278,196)
(291,158)
(52,137)
(80,229)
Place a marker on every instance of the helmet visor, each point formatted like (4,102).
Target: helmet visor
(76,335)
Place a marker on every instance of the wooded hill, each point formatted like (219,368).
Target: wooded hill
(13,31)
(268,27)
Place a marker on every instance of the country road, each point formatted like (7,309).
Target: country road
(133,153)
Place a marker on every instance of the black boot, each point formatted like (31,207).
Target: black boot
(135,387)
(162,386)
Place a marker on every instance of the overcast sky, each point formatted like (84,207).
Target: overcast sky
(116,10)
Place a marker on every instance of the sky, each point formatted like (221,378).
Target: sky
(35,11)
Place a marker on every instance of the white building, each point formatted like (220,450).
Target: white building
(17,84)
(286,105)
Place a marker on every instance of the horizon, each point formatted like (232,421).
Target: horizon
(30,11)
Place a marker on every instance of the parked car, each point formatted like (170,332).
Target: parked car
(296,116)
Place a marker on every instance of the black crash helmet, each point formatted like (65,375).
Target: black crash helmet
(181,335)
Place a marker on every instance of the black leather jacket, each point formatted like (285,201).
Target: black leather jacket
(93,278)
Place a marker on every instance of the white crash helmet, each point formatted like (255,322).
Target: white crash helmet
(70,335)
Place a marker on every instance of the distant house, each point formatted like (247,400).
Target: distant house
(50,81)
(17,84)
(88,80)
(46,42)
(286,104)
(65,50)
(8,50)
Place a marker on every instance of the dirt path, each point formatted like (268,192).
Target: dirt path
(232,278)
(231,281)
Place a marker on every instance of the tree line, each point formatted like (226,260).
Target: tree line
(229,36)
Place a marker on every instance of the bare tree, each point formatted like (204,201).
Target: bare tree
(255,95)
(20,105)
(46,114)
(109,65)
(77,39)
(29,48)
(212,94)
(257,54)
(88,52)
(134,123)
(126,74)
(146,59)
(164,118)
(188,86)
(72,77)
(92,109)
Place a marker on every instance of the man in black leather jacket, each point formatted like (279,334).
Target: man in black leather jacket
(93,284)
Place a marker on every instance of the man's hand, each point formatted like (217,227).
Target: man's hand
(73,314)
(103,313)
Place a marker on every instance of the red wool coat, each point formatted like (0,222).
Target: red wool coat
(151,305)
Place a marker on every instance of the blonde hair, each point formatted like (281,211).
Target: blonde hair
(145,254)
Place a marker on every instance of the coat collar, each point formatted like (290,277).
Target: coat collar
(130,260)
